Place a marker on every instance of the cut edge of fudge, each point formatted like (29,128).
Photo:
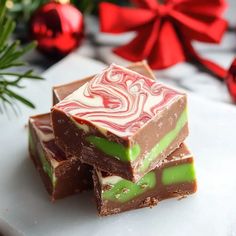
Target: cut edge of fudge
(61,176)
(174,178)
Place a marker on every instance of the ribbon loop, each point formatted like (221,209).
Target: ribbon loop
(164,30)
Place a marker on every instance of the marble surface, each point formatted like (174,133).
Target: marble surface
(25,205)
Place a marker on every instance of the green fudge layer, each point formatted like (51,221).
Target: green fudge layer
(115,150)
(178,174)
(165,142)
(127,154)
(38,152)
(124,190)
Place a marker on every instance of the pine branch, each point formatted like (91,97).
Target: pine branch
(91,6)
(22,9)
(10,57)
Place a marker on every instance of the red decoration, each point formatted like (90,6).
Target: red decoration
(231,81)
(58,28)
(165,32)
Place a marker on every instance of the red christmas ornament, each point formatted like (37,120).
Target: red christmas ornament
(58,28)
(165,32)
(231,81)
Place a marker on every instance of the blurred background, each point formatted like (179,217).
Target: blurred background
(180,50)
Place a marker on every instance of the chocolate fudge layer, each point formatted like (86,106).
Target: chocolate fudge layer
(123,122)
(62,91)
(61,176)
(175,177)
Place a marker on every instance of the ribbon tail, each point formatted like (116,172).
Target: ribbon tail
(209,65)
(231,81)
(213,67)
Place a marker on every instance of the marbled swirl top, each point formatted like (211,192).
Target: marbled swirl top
(118,100)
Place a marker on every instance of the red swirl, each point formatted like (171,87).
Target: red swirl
(118,100)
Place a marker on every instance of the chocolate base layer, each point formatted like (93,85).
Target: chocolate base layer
(68,181)
(70,176)
(44,177)
(153,194)
(105,209)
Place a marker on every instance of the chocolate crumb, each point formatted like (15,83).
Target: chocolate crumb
(117,195)
(125,190)
(60,121)
(107,187)
(144,185)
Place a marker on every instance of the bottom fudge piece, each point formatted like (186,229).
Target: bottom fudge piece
(175,177)
(61,176)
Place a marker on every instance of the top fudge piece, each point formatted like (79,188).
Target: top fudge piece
(121,122)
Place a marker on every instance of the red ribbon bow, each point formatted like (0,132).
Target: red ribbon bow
(165,31)
(231,81)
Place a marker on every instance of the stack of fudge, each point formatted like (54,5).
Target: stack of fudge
(119,132)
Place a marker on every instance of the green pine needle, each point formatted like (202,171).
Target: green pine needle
(10,57)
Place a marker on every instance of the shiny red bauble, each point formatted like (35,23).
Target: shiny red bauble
(231,81)
(58,28)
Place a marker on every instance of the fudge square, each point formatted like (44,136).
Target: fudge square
(121,122)
(61,176)
(175,177)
